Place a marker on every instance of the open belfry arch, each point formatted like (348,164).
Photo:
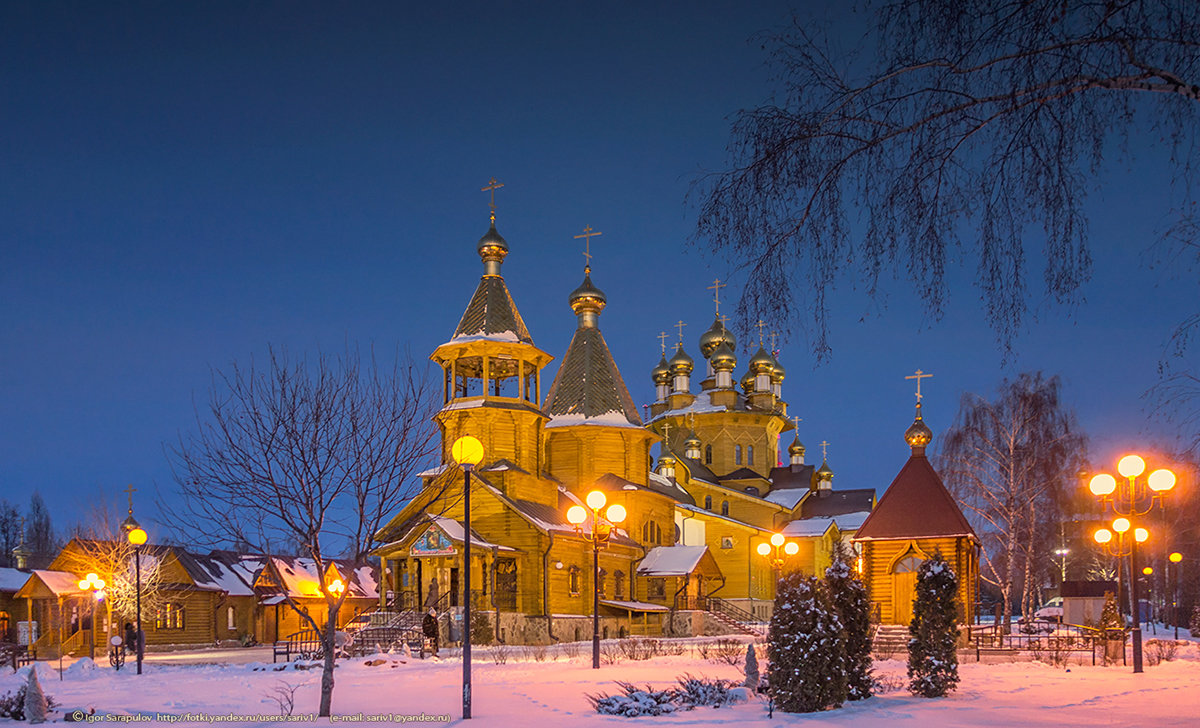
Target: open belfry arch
(915,519)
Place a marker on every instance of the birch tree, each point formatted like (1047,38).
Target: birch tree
(311,454)
(1012,462)
(954,129)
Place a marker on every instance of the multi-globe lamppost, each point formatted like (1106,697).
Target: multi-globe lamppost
(94,586)
(776,550)
(1129,500)
(467,451)
(599,533)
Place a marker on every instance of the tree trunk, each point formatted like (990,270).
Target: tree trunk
(329,642)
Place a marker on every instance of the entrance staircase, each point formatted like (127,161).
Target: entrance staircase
(890,640)
(734,617)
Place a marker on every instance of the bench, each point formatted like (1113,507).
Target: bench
(17,655)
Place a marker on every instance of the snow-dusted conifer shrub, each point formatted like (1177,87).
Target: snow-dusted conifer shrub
(752,676)
(932,659)
(1194,623)
(807,670)
(849,597)
(35,700)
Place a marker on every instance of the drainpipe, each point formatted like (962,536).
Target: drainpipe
(495,607)
(546,588)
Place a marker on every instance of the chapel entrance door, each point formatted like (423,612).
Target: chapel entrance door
(904,587)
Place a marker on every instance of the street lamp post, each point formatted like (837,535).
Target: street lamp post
(1061,553)
(1129,500)
(1175,558)
(93,585)
(599,534)
(137,537)
(467,451)
(776,550)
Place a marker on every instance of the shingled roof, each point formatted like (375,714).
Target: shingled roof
(589,387)
(915,505)
(491,314)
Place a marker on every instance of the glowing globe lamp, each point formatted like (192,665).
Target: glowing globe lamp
(777,539)
(616,513)
(137,537)
(1176,557)
(1161,480)
(1103,484)
(791,548)
(1141,535)
(467,450)
(596,500)
(764,549)
(1121,525)
(576,515)
(1103,536)
(1131,466)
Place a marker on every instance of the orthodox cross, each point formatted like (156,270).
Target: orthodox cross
(723,320)
(824,450)
(680,326)
(667,435)
(716,289)
(760,326)
(129,491)
(662,341)
(691,420)
(796,423)
(491,188)
(772,336)
(587,246)
(919,376)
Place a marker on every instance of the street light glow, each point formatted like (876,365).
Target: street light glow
(764,549)
(1161,480)
(1131,466)
(1141,535)
(576,515)
(791,548)
(137,537)
(467,450)
(1121,525)
(616,513)
(1103,484)
(1103,536)
(596,500)
(777,539)
(1176,557)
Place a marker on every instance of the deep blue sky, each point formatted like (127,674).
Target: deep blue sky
(183,185)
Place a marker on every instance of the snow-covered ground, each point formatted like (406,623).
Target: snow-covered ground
(528,693)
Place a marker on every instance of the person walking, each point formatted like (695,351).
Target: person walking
(429,626)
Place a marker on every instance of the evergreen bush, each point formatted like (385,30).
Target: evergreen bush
(807,670)
(751,668)
(849,597)
(1194,622)
(932,655)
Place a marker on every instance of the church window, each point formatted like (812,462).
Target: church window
(724,508)
(652,533)
(749,454)
(708,454)
(909,563)
(708,502)
(619,585)
(573,581)
(657,588)
(601,580)
(737,454)
(230,621)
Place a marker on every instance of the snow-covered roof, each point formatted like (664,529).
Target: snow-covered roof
(61,583)
(788,498)
(702,403)
(851,521)
(438,470)
(508,336)
(455,530)
(12,579)
(301,578)
(702,511)
(671,560)
(807,527)
(608,419)
(634,606)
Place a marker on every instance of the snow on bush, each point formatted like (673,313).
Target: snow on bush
(805,651)
(691,692)
(932,655)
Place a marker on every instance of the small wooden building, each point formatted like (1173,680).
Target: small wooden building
(915,519)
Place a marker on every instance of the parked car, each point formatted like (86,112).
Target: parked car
(1051,611)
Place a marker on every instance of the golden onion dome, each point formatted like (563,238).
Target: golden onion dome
(797,447)
(681,363)
(661,374)
(762,362)
(777,371)
(918,434)
(748,382)
(587,297)
(691,441)
(714,337)
(666,459)
(723,359)
(492,246)
(824,472)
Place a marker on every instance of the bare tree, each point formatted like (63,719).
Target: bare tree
(1012,463)
(314,454)
(10,532)
(982,115)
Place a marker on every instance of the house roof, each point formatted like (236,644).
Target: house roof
(838,502)
(492,315)
(301,578)
(791,477)
(671,560)
(659,484)
(915,505)
(588,388)
(60,583)
(12,579)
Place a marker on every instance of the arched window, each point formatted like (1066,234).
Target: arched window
(749,454)
(737,454)
(651,533)
(708,454)
(601,579)
(619,585)
(724,508)
(708,502)
(230,620)
(909,563)
(573,581)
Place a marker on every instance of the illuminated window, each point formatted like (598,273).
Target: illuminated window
(652,533)
(169,616)
(230,621)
